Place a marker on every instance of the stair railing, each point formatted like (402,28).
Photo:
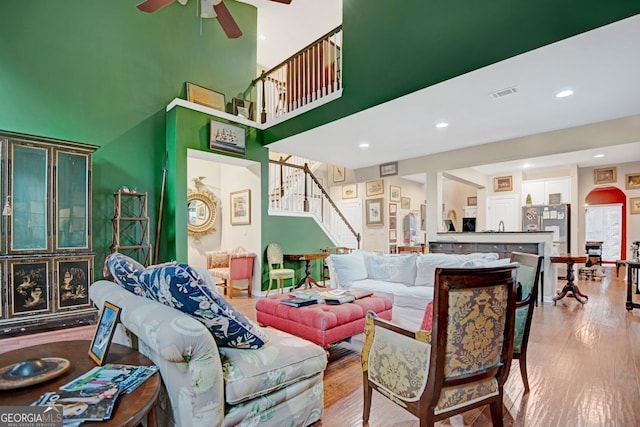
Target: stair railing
(295,188)
(307,76)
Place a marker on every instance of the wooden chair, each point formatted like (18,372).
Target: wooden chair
(528,276)
(277,272)
(232,267)
(462,363)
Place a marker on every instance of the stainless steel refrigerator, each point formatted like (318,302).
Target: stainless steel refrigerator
(556,218)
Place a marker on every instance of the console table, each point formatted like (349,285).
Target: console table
(307,280)
(130,409)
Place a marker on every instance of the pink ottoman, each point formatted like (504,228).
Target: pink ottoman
(322,324)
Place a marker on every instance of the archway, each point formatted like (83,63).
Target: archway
(609,196)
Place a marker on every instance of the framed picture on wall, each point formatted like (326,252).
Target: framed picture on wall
(405,203)
(604,175)
(375,188)
(395,193)
(374,212)
(227,138)
(389,169)
(393,222)
(338,174)
(243,108)
(393,235)
(393,249)
(393,209)
(207,97)
(240,204)
(350,191)
(503,183)
(634,205)
(423,217)
(472,201)
(632,181)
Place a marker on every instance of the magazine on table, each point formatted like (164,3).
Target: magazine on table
(127,377)
(339,299)
(93,404)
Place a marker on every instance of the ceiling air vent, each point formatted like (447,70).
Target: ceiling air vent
(503,92)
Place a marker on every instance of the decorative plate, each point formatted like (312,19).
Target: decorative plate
(32,371)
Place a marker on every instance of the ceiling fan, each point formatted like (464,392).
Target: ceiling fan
(209,9)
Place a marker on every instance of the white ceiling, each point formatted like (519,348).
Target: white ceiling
(601,67)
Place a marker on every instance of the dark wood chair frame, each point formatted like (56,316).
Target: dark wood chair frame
(447,279)
(535,262)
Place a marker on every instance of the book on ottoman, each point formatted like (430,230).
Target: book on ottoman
(340,299)
(298,302)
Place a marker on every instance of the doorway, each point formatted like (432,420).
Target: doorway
(603,223)
(607,221)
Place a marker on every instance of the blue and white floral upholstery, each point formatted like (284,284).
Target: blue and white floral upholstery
(476,328)
(182,287)
(204,385)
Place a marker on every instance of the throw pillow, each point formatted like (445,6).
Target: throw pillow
(124,271)
(182,287)
(427,319)
(218,259)
(391,268)
(348,268)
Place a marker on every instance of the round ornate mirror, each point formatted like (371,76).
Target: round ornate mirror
(201,213)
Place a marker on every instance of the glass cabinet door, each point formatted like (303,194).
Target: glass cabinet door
(28,194)
(72,200)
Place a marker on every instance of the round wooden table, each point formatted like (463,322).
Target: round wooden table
(570,286)
(130,408)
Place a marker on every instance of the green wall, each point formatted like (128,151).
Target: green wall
(189,129)
(391,49)
(102,73)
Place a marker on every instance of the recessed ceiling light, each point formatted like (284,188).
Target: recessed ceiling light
(442,125)
(598,156)
(526,165)
(363,145)
(262,37)
(564,94)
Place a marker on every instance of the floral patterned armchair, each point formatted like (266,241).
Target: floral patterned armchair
(462,363)
(528,277)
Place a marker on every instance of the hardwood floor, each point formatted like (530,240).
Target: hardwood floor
(583,362)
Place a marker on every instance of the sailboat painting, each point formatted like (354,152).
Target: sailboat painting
(227,138)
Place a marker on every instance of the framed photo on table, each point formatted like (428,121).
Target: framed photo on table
(101,341)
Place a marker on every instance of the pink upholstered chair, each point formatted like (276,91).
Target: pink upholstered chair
(231,267)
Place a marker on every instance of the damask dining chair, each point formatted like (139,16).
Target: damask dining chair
(528,276)
(277,272)
(462,363)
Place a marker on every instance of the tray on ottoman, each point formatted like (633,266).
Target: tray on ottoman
(322,324)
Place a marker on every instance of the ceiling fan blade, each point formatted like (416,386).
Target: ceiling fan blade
(151,6)
(282,1)
(228,24)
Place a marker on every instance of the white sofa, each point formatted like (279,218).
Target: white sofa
(407,280)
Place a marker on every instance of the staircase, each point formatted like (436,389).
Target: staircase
(293,188)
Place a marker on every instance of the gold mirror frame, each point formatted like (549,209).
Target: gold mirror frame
(209,200)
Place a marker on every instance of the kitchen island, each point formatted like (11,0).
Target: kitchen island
(503,243)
